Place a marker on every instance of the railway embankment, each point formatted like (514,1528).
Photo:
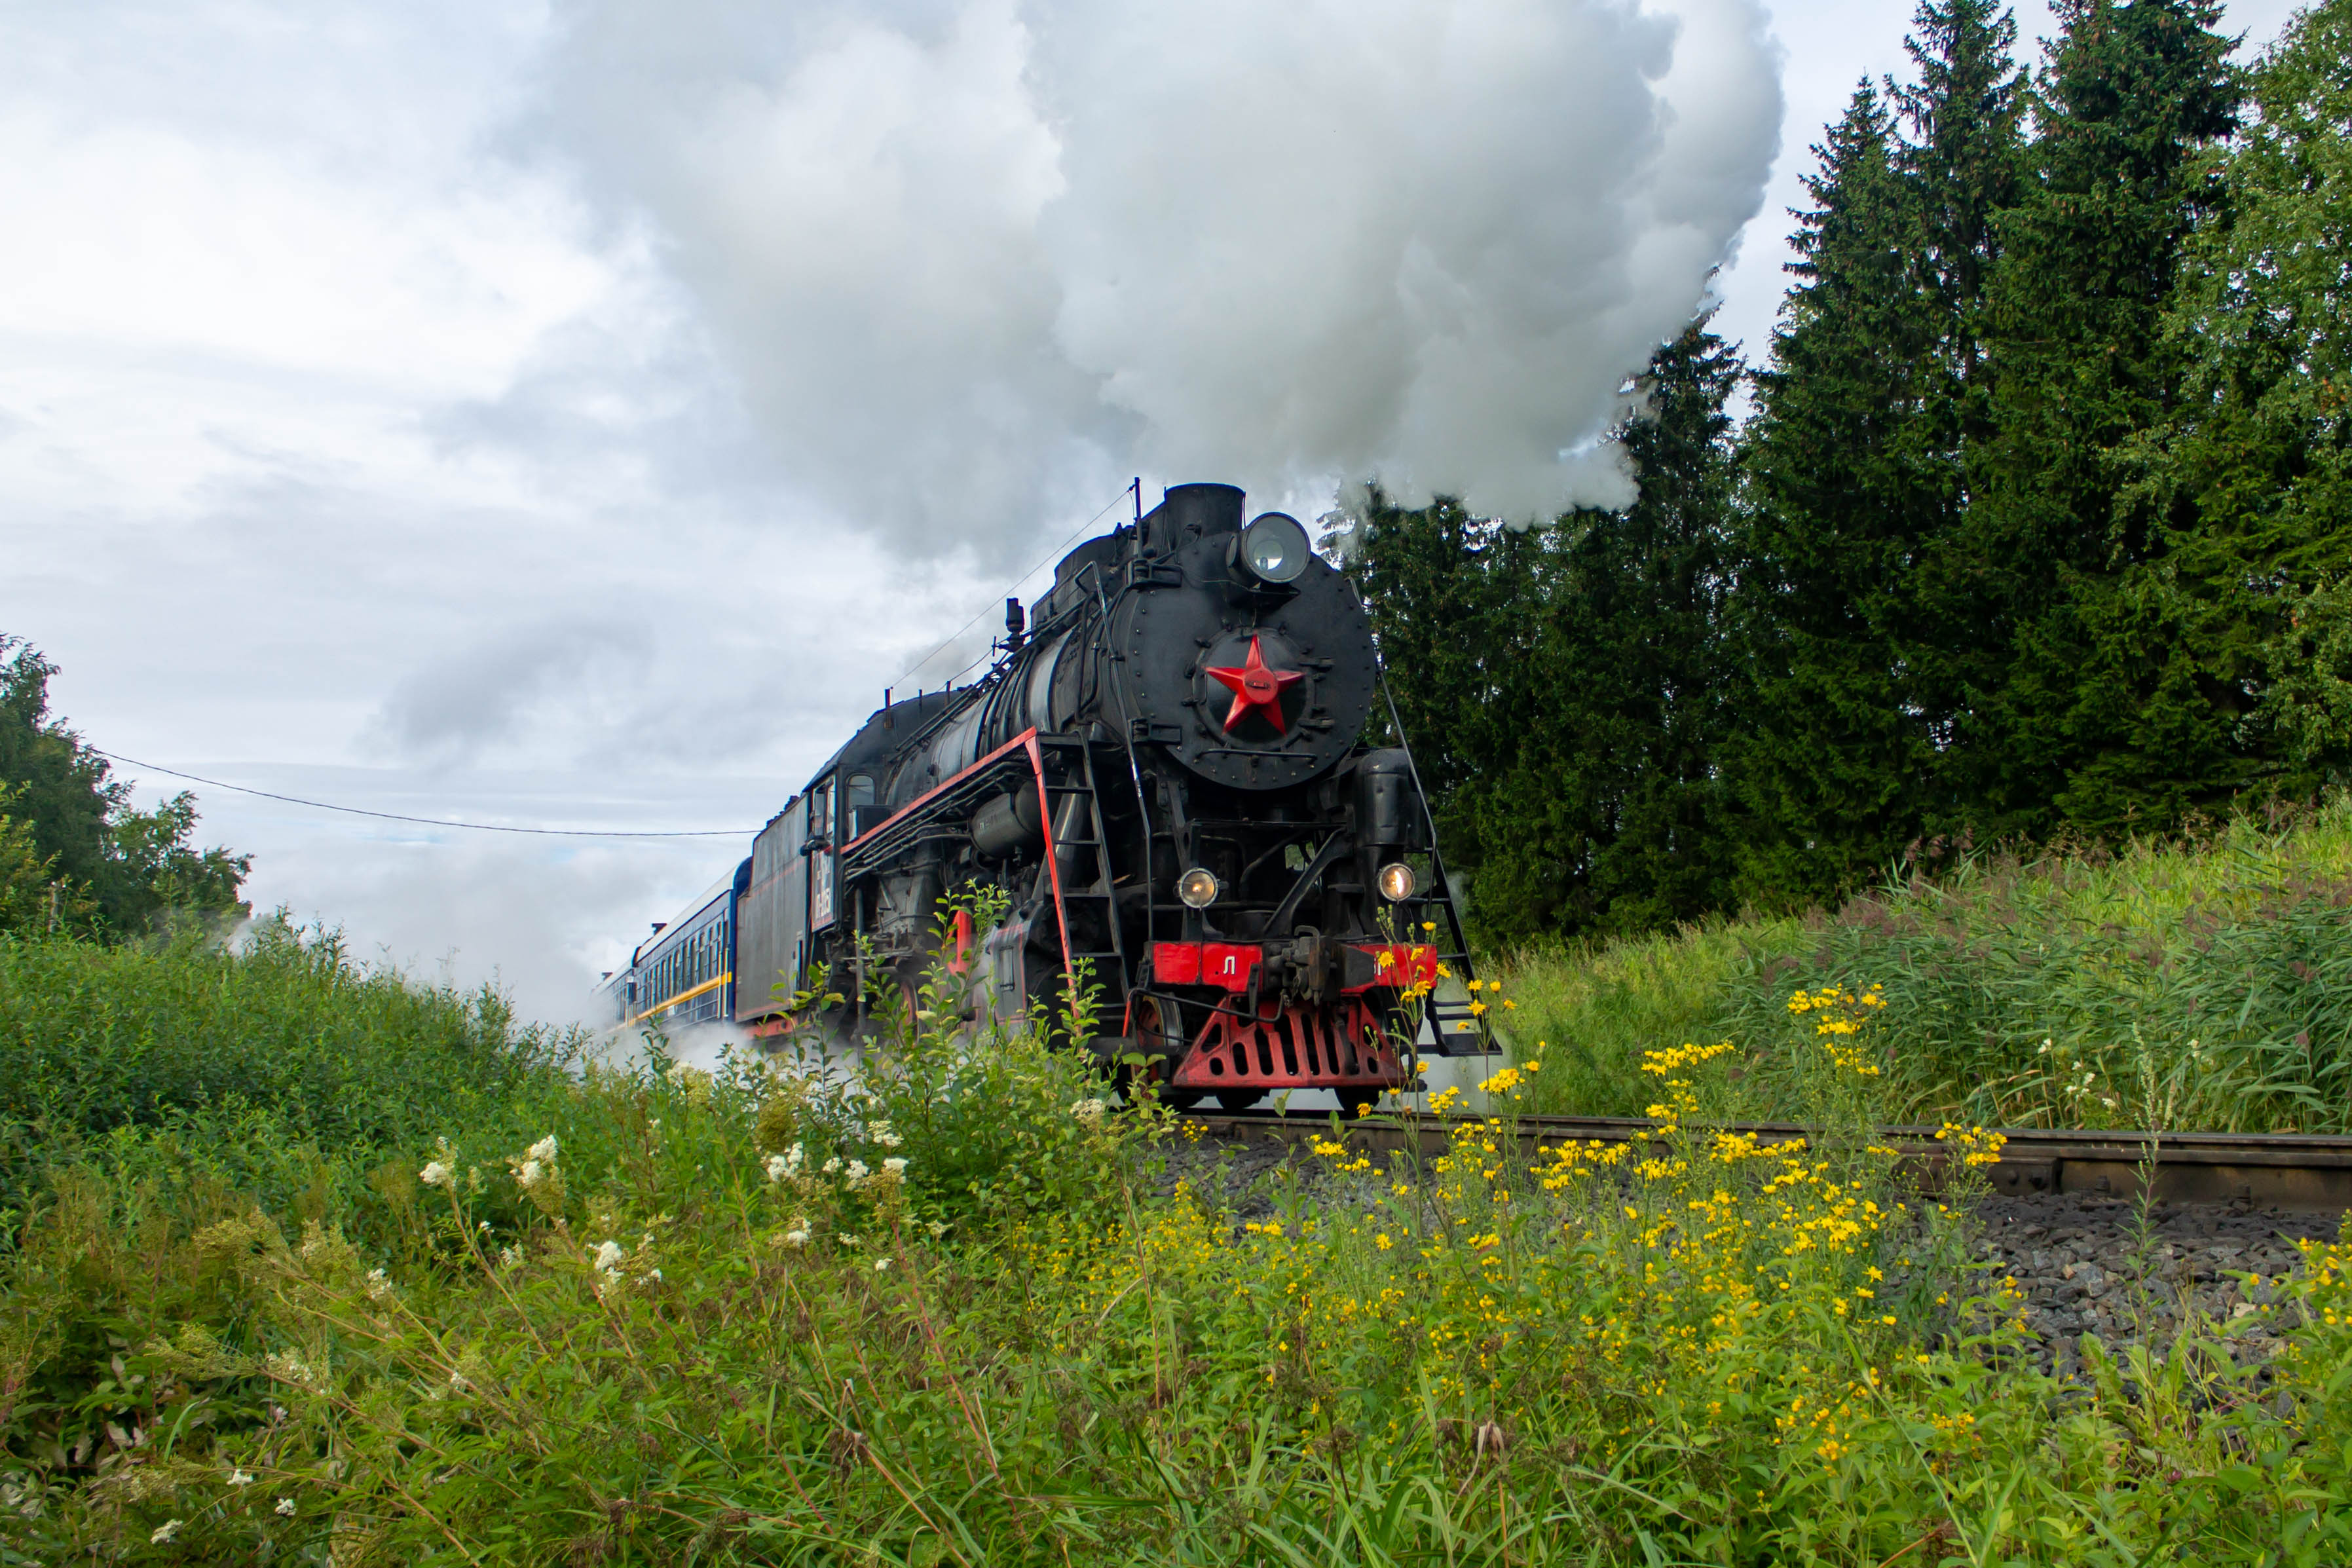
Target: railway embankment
(2125,1272)
(2201,981)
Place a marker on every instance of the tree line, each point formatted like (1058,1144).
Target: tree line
(2036,523)
(76,857)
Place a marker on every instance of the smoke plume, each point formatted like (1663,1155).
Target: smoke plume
(974,261)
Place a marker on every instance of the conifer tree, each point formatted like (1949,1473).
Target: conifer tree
(1565,687)
(2090,708)
(2248,483)
(1831,758)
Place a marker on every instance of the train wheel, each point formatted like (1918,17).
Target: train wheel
(1160,1029)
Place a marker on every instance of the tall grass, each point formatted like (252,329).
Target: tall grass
(955,1310)
(278,1063)
(2197,983)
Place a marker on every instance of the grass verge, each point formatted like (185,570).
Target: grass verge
(955,1308)
(2204,982)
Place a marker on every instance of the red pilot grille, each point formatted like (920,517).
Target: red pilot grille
(1286,1047)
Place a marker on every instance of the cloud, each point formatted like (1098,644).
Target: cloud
(973,262)
(580,412)
(484,693)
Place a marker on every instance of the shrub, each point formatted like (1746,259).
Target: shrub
(2203,983)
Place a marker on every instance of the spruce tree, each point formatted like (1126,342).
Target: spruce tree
(2091,710)
(2247,485)
(1832,756)
(1565,688)
(1644,590)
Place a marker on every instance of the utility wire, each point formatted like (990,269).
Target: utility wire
(592,832)
(1050,556)
(427,821)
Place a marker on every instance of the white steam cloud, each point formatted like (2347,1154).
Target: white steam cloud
(976,260)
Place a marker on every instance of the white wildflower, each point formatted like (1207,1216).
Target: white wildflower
(165,1531)
(436,1173)
(879,1133)
(1090,1111)
(510,1255)
(609,1256)
(530,1175)
(379,1284)
(881,1265)
(286,1506)
(460,1383)
(542,1151)
(291,1369)
(778,1168)
(939,1228)
(239,1479)
(896,1165)
(832,1165)
(857,1172)
(797,1238)
(653,1274)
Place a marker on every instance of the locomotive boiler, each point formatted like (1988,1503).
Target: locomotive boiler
(1165,772)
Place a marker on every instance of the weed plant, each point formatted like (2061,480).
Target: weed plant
(278,1067)
(2204,982)
(955,1305)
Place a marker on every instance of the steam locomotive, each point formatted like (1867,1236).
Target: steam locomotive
(1164,773)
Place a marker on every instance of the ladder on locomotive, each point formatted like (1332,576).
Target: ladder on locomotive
(1094,906)
(1453,1027)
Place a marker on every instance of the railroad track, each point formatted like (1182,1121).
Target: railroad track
(2280,1171)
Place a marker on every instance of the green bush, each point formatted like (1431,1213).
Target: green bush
(263,1059)
(637,1338)
(2205,983)
(945,1304)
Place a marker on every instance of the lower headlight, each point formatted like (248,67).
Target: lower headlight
(1396,881)
(1197,888)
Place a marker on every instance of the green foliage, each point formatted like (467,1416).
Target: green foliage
(34,899)
(626,1325)
(2040,530)
(282,1044)
(2203,983)
(1565,689)
(138,869)
(2252,470)
(2103,700)
(1836,760)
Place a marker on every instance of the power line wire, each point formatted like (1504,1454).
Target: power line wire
(590,832)
(428,821)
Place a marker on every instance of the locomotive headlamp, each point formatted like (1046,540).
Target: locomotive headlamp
(1197,888)
(1274,547)
(1396,881)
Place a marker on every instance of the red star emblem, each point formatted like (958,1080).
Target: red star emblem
(1255,686)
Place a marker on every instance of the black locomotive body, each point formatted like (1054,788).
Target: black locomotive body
(1164,771)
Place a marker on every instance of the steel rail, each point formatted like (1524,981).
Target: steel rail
(2265,1170)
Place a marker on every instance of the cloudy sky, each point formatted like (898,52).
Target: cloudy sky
(573,415)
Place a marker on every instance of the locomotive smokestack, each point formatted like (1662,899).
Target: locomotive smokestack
(1015,622)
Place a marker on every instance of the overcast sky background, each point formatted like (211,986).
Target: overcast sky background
(575,415)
